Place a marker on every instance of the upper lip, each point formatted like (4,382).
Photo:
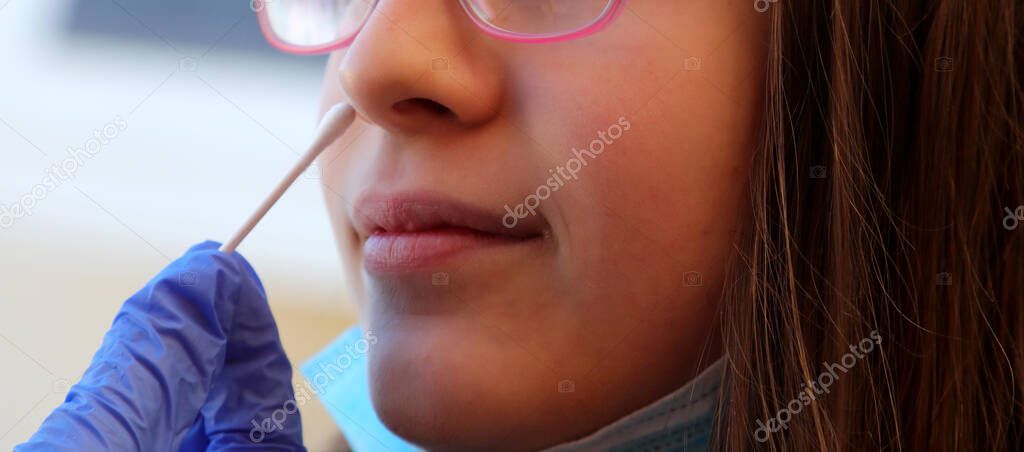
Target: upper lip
(407,213)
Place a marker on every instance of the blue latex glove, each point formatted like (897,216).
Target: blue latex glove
(192,361)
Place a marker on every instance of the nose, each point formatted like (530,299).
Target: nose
(421,64)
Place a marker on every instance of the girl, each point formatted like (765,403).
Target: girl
(796,178)
(697,224)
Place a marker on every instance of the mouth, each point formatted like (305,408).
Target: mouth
(410,232)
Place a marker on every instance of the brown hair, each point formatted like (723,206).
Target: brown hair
(892,146)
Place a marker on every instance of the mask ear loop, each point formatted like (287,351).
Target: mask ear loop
(334,123)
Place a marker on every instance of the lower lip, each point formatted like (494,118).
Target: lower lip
(396,252)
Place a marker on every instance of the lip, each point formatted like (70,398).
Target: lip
(414,231)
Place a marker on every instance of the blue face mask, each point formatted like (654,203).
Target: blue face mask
(682,420)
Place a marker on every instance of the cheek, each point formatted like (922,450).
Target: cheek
(682,171)
(693,95)
(659,203)
(664,199)
(674,183)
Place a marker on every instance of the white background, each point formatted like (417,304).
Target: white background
(200,151)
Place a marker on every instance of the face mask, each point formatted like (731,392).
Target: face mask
(681,420)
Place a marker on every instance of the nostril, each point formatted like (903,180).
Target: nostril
(422,105)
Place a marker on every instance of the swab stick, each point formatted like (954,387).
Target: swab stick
(335,122)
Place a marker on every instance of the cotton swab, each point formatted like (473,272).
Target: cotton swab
(334,123)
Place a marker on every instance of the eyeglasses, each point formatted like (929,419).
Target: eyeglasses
(320,26)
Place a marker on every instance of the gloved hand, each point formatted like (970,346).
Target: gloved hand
(193,360)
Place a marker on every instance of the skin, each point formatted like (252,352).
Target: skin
(604,300)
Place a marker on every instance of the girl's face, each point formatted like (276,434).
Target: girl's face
(537,234)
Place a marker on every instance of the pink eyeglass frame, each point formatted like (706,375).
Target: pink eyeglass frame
(607,16)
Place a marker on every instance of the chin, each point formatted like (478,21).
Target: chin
(438,385)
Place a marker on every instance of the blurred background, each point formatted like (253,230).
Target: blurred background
(188,119)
